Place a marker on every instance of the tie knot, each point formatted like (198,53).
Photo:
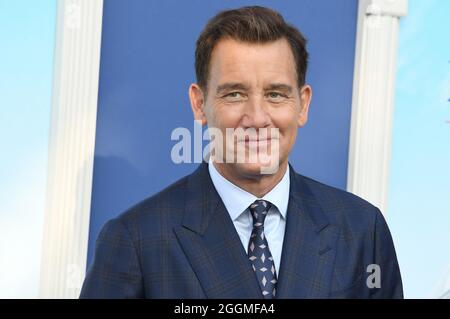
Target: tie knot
(259,211)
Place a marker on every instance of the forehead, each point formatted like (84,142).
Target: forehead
(233,60)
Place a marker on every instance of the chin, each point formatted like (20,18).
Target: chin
(254,169)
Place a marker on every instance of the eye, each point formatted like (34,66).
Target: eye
(234,96)
(275,96)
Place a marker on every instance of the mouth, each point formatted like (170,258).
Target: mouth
(259,143)
(248,139)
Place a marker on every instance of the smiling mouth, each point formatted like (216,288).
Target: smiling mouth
(257,143)
(254,140)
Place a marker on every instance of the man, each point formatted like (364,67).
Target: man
(228,230)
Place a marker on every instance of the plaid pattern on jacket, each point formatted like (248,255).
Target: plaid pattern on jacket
(181,243)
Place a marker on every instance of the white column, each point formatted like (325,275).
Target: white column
(71,150)
(373,98)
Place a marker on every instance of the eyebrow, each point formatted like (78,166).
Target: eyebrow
(231,86)
(279,87)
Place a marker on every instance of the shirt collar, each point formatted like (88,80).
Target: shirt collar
(237,200)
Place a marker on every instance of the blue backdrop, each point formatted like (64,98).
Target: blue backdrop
(147,64)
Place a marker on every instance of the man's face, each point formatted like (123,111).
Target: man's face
(253,86)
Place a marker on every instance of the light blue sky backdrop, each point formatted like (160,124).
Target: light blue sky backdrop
(419,195)
(27,34)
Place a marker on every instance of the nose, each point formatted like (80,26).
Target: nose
(255,114)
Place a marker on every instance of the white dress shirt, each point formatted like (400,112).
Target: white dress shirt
(237,202)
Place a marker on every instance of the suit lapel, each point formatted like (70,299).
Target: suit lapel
(211,243)
(214,250)
(308,246)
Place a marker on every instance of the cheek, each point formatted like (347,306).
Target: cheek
(286,122)
(224,117)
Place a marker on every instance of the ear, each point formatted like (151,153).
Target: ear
(305,100)
(197,99)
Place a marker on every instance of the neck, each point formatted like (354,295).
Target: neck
(256,184)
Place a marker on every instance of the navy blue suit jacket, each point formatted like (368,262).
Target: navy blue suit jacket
(181,243)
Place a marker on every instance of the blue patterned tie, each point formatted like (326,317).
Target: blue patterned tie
(258,250)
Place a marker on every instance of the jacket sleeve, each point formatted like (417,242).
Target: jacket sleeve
(390,282)
(115,271)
